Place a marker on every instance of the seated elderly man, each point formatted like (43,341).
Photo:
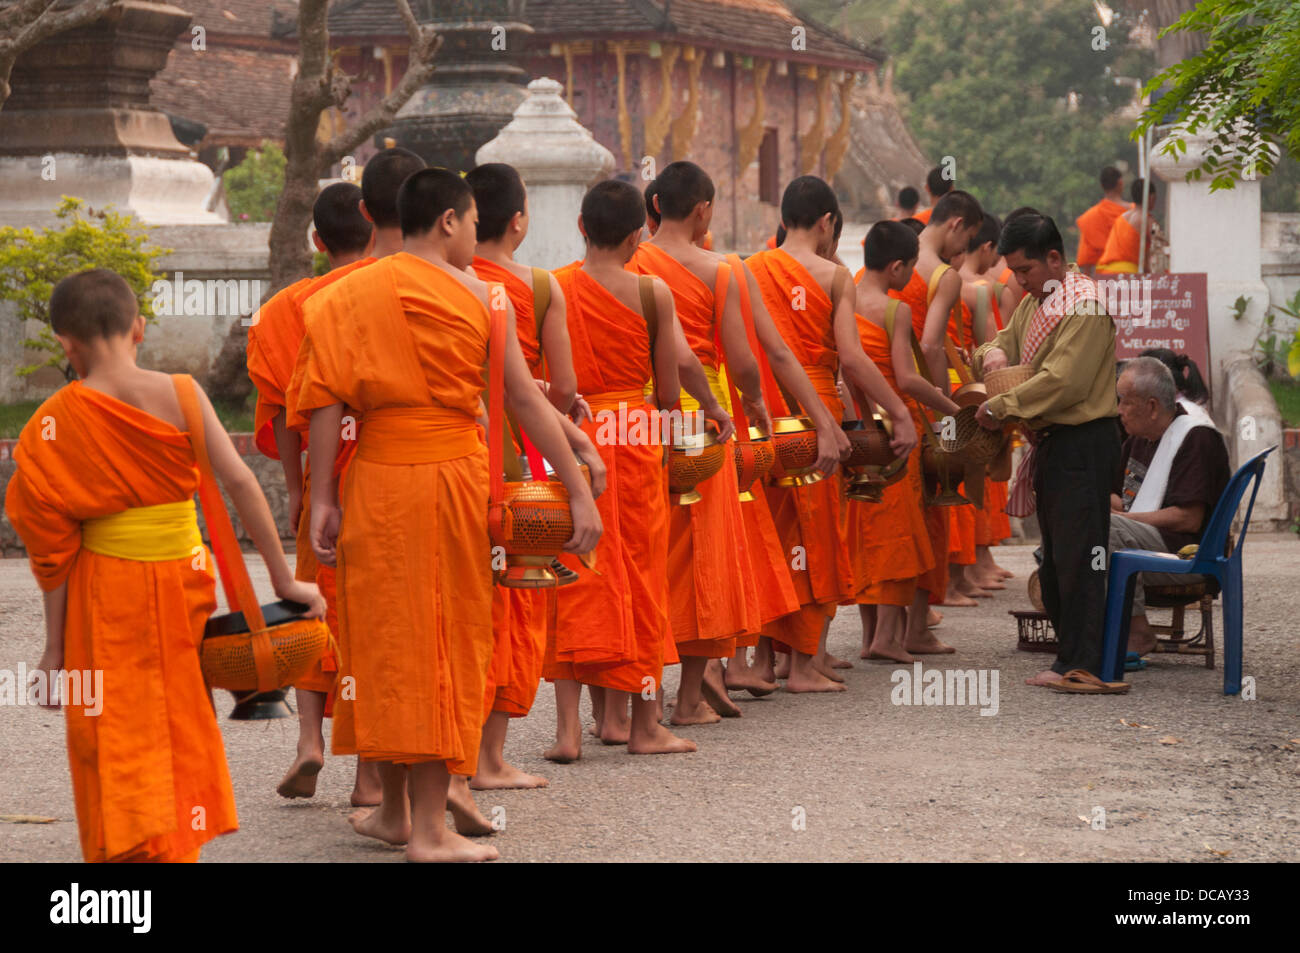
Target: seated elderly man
(1175,469)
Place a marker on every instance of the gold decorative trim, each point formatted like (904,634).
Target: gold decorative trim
(624,120)
(566,50)
(838,144)
(751,136)
(684,126)
(810,144)
(657,123)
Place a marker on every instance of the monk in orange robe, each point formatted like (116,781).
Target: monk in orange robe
(1123,243)
(611,630)
(344,235)
(933,296)
(1094,225)
(519,616)
(889,540)
(404,343)
(811,302)
(102,498)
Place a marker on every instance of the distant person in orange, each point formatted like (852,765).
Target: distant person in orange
(810,299)
(611,629)
(937,185)
(1095,224)
(889,540)
(403,344)
(908,200)
(344,235)
(103,499)
(520,615)
(1120,255)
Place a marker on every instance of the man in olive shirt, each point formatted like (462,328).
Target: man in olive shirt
(1175,469)
(1062,331)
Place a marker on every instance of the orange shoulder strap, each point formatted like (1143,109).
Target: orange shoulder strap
(225,548)
(496,410)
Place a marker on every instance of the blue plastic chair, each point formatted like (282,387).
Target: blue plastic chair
(1209,560)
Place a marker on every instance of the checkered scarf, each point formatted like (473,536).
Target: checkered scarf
(1069,298)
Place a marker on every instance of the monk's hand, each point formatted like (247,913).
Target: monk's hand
(324,532)
(995,359)
(719,416)
(297,590)
(832,447)
(580,411)
(586,524)
(590,456)
(904,440)
(49,667)
(757,414)
(984,417)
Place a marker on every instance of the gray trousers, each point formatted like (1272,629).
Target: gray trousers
(1128,533)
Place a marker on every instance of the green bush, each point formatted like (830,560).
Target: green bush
(253,187)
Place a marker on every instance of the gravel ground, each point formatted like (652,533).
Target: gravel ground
(869,780)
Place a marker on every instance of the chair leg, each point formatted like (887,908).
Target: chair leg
(1232,647)
(1207,626)
(1119,599)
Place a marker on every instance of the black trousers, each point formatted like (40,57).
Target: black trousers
(1075,470)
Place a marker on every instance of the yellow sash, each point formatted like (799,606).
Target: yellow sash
(717,383)
(148,534)
(1118,268)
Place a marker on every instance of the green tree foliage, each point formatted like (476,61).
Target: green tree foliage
(1242,90)
(990,85)
(253,187)
(32,263)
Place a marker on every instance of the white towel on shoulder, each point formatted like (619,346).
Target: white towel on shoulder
(1151,495)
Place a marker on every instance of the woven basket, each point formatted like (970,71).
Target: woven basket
(1036,591)
(228,661)
(795,440)
(868,446)
(1005,378)
(972,443)
(693,460)
(1034,632)
(536,520)
(754,461)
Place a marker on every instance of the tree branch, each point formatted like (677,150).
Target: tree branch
(28,22)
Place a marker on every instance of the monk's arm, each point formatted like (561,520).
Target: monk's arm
(832,444)
(538,419)
(861,373)
(322,451)
(910,381)
(56,616)
(288,444)
(689,369)
(936,326)
(246,493)
(742,364)
(559,356)
(587,453)
(667,383)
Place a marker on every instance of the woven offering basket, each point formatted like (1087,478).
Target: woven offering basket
(795,440)
(972,443)
(1003,379)
(692,460)
(754,461)
(229,661)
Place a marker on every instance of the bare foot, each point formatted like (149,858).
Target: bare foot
(748,679)
(835,661)
(464,812)
(1043,679)
(507,777)
(714,688)
(782,667)
(927,644)
(301,779)
(594,729)
(820,664)
(971,591)
(660,741)
(812,681)
(371,823)
(887,653)
(451,848)
(932,617)
(1141,637)
(615,734)
(700,714)
(954,598)
(990,581)
(366,789)
(563,752)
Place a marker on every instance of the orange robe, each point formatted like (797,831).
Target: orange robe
(923,216)
(709,566)
(1094,228)
(612,625)
(404,344)
(916,295)
(1121,252)
(518,615)
(888,541)
(807,518)
(769,567)
(150,766)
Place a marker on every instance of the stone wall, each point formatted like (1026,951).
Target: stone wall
(267,471)
(177,343)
